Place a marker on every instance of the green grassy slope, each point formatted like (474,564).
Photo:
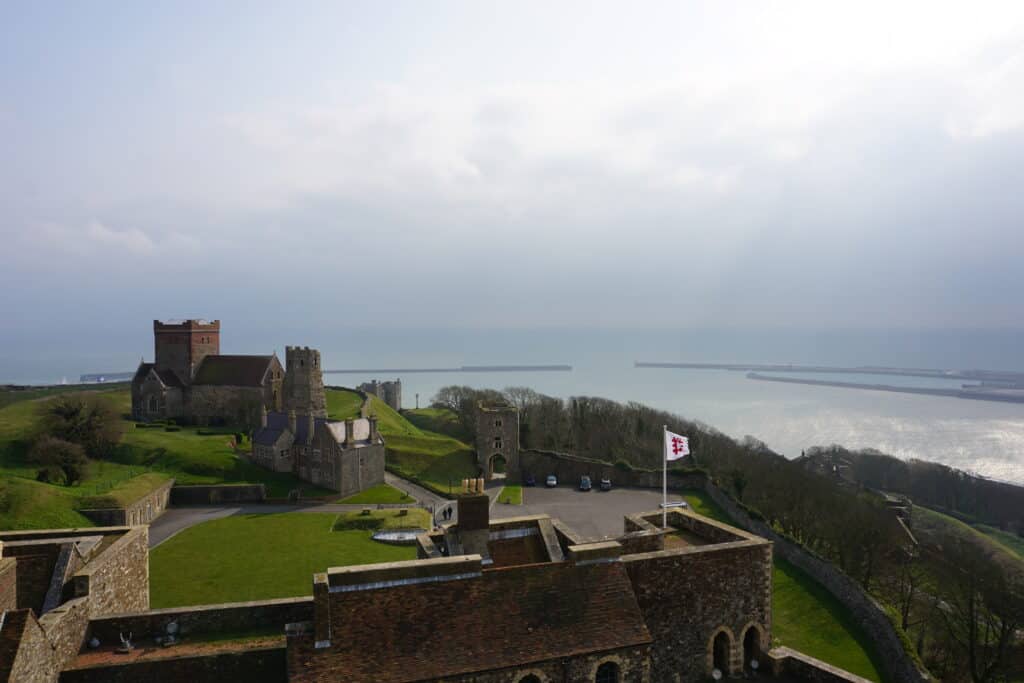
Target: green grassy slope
(381,493)
(421,455)
(268,556)
(1012,542)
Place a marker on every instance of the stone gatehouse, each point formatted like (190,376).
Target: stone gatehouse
(497,440)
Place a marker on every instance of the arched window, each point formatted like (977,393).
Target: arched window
(607,673)
(720,652)
(529,678)
(751,648)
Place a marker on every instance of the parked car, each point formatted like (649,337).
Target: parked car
(530,481)
(551,481)
(606,485)
(585,483)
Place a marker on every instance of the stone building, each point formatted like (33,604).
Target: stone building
(497,440)
(190,380)
(517,600)
(345,456)
(389,392)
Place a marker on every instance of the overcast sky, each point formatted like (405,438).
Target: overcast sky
(630,163)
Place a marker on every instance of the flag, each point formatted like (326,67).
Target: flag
(676,446)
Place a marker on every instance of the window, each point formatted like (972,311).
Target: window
(530,678)
(497,442)
(497,423)
(607,673)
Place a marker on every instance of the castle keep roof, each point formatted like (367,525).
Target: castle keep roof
(235,371)
(502,618)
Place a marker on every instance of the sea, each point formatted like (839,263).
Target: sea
(981,437)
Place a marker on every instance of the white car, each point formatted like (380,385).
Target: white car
(551,481)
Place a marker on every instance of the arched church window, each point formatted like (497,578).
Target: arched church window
(607,673)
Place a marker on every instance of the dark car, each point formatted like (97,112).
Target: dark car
(606,484)
(530,481)
(585,483)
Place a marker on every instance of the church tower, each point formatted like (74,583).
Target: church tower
(303,389)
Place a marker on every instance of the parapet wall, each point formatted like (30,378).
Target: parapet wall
(259,665)
(237,616)
(894,660)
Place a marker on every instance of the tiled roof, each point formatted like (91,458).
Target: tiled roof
(236,371)
(168,377)
(504,618)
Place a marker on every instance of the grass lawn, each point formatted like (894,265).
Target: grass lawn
(438,420)
(381,493)
(258,557)
(512,495)
(807,618)
(415,518)
(343,404)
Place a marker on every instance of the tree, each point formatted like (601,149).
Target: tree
(57,455)
(89,421)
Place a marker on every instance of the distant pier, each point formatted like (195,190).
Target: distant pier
(993,385)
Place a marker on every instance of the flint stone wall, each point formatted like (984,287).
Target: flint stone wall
(260,665)
(118,579)
(896,664)
(239,616)
(8,584)
(217,494)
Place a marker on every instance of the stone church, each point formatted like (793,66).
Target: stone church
(189,379)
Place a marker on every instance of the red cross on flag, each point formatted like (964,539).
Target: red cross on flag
(676,446)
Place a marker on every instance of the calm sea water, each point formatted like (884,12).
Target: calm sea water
(983,437)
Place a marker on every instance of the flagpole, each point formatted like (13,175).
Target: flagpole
(664,477)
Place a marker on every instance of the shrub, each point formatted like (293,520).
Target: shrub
(89,421)
(170,428)
(60,455)
(623,465)
(239,437)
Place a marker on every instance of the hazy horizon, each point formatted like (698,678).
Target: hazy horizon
(325,166)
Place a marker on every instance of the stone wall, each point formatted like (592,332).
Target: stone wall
(239,616)
(894,660)
(65,627)
(361,468)
(786,662)
(569,468)
(8,584)
(497,436)
(240,405)
(34,661)
(633,666)
(689,596)
(217,494)
(258,665)
(118,579)
(142,511)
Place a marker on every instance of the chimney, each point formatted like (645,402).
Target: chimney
(474,512)
(291,421)
(263,417)
(350,432)
(311,424)
(373,429)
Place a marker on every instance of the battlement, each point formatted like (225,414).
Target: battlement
(186,325)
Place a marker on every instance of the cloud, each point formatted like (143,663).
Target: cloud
(130,239)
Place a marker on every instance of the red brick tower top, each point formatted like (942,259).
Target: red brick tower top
(181,346)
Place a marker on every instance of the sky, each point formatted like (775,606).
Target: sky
(511,164)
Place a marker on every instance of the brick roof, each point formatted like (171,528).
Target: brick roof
(504,618)
(236,371)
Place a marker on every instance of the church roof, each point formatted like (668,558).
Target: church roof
(235,371)
(168,377)
(508,617)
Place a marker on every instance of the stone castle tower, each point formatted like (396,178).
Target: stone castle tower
(180,347)
(497,440)
(303,389)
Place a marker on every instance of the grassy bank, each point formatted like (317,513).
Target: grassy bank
(511,495)
(381,493)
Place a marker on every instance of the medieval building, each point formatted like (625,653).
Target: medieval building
(190,380)
(389,392)
(517,600)
(497,440)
